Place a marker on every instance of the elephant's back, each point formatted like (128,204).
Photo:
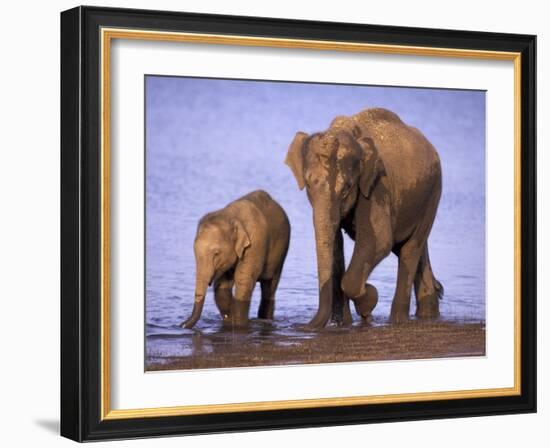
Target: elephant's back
(377,115)
(390,134)
(274,215)
(276,229)
(399,145)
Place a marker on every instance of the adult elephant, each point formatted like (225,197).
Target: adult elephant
(378,179)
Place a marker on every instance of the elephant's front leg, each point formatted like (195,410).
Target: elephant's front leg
(373,241)
(245,281)
(223,295)
(340,305)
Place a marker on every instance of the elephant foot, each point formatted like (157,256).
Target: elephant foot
(399,313)
(365,303)
(399,318)
(239,313)
(317,323)
(367,321)
(428,307)
(341,322)
(341,319)
(313,326)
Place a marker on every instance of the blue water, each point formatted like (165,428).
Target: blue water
(210,141)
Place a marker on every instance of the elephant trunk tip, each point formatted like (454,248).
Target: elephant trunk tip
(323,316)
(195,315)
(189,323)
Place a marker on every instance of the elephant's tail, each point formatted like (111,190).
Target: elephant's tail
(439,290)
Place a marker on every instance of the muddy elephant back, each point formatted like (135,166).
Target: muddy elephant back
(376,114)
(395,139)
(368,122)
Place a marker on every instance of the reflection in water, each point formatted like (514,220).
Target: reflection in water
(210,141)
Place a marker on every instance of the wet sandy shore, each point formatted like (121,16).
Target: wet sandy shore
(265,346)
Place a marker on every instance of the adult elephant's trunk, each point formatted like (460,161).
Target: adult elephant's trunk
(325,233)
(201,285)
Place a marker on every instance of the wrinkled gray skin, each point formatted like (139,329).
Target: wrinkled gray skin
(380,181)
(235,247)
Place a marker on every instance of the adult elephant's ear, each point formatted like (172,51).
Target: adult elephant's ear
(372,166)
(241,238)
(295,158)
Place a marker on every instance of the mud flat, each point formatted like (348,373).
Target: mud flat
(270,344)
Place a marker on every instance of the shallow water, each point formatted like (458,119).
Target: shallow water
(209,142)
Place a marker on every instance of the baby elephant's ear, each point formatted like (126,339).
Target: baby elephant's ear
(295,158)
(372,166)
(241,238)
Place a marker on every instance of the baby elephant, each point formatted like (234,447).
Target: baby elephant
(239,245)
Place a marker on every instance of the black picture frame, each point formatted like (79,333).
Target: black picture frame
(81,224)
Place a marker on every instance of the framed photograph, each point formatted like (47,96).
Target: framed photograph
(272,223)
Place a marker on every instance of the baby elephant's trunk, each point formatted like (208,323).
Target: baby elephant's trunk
(200,293)
(195,315)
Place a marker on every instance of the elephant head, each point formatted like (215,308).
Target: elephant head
(219,243)
(335,167)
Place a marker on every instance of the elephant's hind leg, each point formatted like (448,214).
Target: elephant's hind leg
(267,303)
(408,262)
(427,289)
(409,255)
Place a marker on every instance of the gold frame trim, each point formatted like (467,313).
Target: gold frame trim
(107,35)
